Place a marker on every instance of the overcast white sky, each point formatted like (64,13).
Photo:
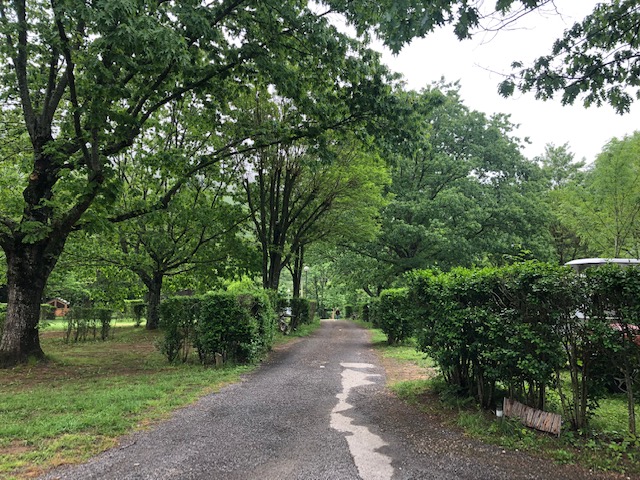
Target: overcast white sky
(472,62)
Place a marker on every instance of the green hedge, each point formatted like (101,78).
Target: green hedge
(226,327)
(395,315)
(517,330)
(135,309)
(364,312)
(299,312)
(348,311)
(222,326)
(178,318)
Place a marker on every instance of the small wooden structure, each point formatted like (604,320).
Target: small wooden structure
(61,306)
(532,417)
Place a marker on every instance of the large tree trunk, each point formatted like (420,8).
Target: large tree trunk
(272,277)
(154,286)
(28,268)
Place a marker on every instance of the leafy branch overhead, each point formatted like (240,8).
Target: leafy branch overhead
(597,60)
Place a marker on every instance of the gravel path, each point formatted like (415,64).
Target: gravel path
(316,410)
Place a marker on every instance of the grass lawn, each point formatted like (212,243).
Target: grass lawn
(89,394)
(606,446)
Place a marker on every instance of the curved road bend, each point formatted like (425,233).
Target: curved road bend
(316,410)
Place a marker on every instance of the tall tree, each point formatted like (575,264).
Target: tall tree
(560,170)
(200,225)
(299,193)
(462,192)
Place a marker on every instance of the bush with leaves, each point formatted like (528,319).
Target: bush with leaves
(178,316)
(364,312)
(533,301)
(522,326)
(299,312)
(489,327)
(374,311)
(83,323)
(613,313)
(135,309)
(313,309)
(222,326)
(395,315)
(446,330)
(348,311)
(260,305)
(226,328)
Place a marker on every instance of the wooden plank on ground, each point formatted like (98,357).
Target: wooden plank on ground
(532,417)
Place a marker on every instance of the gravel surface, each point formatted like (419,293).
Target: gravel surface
(317,409)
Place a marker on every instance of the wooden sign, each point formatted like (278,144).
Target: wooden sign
(531,417)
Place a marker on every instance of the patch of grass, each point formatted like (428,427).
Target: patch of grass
(88,394)
(404,352)
(412,390)
(306,329)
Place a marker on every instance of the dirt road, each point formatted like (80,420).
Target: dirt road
(316,410)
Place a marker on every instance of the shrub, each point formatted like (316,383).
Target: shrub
(83,323)
(226,327)
(348,311)
(299,312)
(136,309)
(260,305)
(490,326)
(374,311)
(395,315)
(178,320)
(364,312)
(313,308)
(222,326)
(103,317)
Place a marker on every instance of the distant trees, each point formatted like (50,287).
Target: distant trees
(603,205)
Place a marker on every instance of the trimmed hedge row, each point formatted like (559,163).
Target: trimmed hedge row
(522,330)
(394,315)
(222,327)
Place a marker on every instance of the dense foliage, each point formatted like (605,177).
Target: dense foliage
(394,315)
(300,312)
(595,60)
